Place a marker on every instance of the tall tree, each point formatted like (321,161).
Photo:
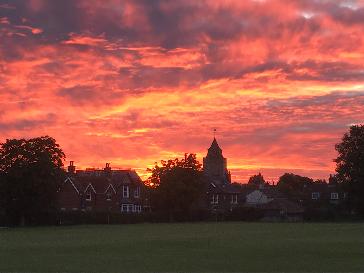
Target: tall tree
(30,173)
(178,184)
(350,166)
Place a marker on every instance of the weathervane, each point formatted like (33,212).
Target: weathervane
(214,132)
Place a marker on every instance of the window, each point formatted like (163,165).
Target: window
(334,196)
(88,196)
(137,192)
(234,199)
(108,196)
(127,208)
(124,207)
(315,195)
(138,208)
(215,199)
(126,191)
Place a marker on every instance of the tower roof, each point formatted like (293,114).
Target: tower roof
(215,146)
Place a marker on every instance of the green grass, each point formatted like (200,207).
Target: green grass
(201,247)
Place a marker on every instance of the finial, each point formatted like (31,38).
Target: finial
(214,132)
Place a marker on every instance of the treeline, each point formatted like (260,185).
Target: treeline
(31,172)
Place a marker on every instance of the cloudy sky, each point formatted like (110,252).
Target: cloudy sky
(133,82)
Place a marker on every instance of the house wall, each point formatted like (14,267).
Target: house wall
(68,198)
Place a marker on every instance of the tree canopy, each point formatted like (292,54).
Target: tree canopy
(30,173)
(350,165)
(294,185)
(177,184)
(256,180)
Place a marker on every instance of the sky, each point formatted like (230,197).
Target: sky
(134,82)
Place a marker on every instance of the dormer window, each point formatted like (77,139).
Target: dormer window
(88,196)
(108,196)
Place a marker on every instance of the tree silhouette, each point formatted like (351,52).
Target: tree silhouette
(177,185)
(30,173)
(256,180)
(350,166)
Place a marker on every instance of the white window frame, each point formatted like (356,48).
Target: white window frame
(88,196)
(234,199)
(315,195)
(124,207)
(215,199)
(137,192)
(334,196)
(108,196)
(125,191)
(127,208)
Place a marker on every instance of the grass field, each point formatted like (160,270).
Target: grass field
(201,247)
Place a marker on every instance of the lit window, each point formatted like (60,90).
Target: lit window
(334,196)
(126,191)
(88,196)
(315,195)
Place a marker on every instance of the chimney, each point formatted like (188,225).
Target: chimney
(71,167)
(107,167)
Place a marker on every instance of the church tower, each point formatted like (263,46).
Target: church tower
(215,165)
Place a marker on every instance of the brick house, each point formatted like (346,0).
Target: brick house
(104,190)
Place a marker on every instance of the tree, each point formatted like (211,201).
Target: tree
(350,166)
(294,185)
(30,173)
(256,180)
(178,185)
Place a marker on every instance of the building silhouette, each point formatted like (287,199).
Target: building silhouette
(215,165)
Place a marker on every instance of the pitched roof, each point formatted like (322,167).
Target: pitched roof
(101,180)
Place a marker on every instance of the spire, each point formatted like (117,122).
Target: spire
(214,144)
(215,148)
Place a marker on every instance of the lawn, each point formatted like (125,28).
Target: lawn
(200,247)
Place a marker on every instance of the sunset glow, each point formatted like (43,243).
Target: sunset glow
(134,82)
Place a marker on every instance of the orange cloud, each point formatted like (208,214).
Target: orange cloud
(133,82)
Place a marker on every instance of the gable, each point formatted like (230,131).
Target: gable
(257,197)
(69,186)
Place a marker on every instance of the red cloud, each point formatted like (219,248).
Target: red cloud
(133,82)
